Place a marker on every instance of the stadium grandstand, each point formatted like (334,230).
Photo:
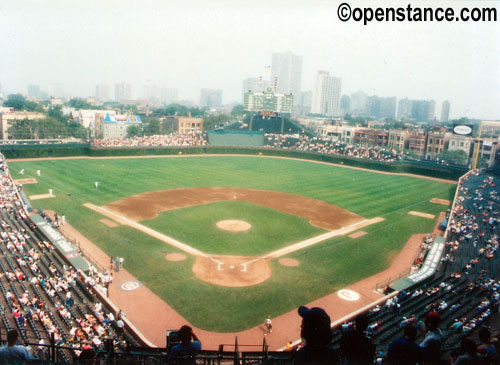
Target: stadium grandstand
(57,302)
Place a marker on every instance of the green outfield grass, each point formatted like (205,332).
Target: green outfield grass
(323,268)
(196,226)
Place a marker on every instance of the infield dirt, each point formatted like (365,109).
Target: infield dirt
(319,213)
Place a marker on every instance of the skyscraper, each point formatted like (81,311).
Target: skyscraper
(286,70)
(168,95)
(380,107)
(123,91)
(431,112)
(326,95)
(33,91)
(254,84)
(305,103)
(359,104)
(151,92)
(210,98)
(345,104)
(445,111)
(57,90)
(404,109)
(102,92)
(418,110)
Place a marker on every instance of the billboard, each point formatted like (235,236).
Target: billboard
(269,102)
(463,129)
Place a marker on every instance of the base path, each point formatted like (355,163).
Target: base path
(153,323)
(148,205)
(41,196)
(440,201)
(25,181)
(232,271)
(421,214)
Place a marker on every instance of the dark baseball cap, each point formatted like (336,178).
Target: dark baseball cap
(316,315)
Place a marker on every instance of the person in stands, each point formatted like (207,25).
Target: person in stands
(12,353)
(468,353)
(316,334)
(486,349)
(355,346)
(186,351)
(433,341)
(404,350)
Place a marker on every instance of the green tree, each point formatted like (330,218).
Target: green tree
(78,103)
(133,131)
(16,101)
(152,126)
(211,121)
(77,130)
(22,129)
(238,110)
(482,162)
(394,125)
(457,157)
(56,113)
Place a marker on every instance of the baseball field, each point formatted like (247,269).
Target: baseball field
(228,240)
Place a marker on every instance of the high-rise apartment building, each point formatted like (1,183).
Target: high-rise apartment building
(431,111)
(382,107)
(123,91)
(286,73)
(210,98)
(305,103)
(169,95)
(57,90)
(359,104)
(445,111)
(102,92)
(404,109)
(418,110)
(326,95)
(345,104)
(151,92)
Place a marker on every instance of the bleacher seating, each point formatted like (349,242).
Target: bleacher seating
(34,280)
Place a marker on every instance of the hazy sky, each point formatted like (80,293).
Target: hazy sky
(192,44)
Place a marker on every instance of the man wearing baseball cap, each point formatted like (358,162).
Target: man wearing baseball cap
(316,335)
(432,343)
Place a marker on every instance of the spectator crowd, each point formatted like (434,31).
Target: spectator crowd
(327,146)
(184,139)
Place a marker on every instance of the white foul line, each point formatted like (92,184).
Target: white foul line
(171,241)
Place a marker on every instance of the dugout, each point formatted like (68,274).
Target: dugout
(226,138)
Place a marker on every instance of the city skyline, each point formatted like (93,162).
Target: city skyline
(187,46)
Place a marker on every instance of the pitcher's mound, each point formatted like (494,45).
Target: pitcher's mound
(175,257)
(233,225)
(288,262)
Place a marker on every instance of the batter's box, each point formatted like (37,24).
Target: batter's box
(232,271)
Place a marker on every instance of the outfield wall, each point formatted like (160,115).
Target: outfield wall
(44,151)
